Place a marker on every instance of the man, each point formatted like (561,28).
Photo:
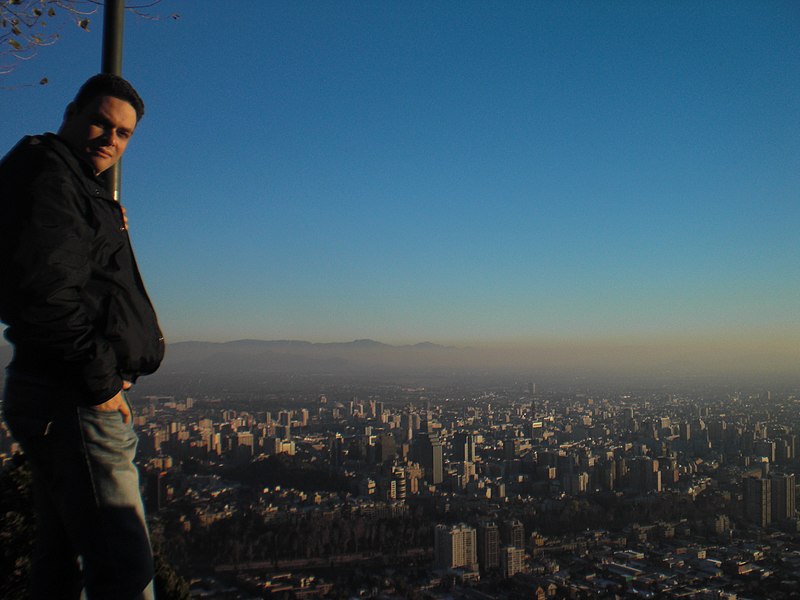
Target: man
(83,329)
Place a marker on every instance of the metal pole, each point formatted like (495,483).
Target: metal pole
(113,16)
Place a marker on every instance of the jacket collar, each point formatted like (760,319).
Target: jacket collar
(95,185)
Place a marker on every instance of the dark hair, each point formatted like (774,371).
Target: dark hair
(106,84)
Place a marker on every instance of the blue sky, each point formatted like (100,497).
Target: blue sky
(458,172)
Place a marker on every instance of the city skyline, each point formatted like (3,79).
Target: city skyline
(497,489)
(580,179)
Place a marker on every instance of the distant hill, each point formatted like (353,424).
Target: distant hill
(251,363)
(252,360)
(282,356)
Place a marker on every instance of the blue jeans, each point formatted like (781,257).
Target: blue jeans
(91,532)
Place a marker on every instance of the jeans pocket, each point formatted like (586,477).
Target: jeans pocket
(102,414)
(106,429)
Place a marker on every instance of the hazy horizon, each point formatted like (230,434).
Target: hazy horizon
(724,356)
(720,360)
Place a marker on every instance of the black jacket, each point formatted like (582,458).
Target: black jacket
(70,291)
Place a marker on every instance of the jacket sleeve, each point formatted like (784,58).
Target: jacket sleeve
(52,260)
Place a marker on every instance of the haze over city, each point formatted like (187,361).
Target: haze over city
(595,185)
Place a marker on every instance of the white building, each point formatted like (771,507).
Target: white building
(455,547)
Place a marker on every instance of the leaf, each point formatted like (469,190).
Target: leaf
(44,81)
(84,24)
(51,12)
(15,44)
(15,30)
(37,12)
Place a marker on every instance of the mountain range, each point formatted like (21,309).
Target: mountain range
(257,361)
(301,357)
(294,356)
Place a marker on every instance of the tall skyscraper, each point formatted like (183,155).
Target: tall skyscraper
(387,448)
(399,476)
(428,449)
(783,497)
(416,421)
(335,448)
(514,534)
(645,474)
(758,500)
(455,547)
(464,447)
(488,546)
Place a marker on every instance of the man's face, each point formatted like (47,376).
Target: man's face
(100,131)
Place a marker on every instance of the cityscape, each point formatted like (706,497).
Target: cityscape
(477,489)
(573,227)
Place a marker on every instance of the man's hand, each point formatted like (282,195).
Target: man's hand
(118,403)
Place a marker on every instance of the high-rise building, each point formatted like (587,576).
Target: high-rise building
(428,449)
(416,421)
(575,483)
(645,475)
(399,476)
(407,425)
(783,451)
(302,417)
(157,490)
(455,547)
(765,448)
(722,524)
(387,448)
(488,546)
(335,449)
(284,432)
(783,497)
(758,500)
(514,534)
(464,447)
(245,444)
(512,561)
(216,444)
(608,476)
